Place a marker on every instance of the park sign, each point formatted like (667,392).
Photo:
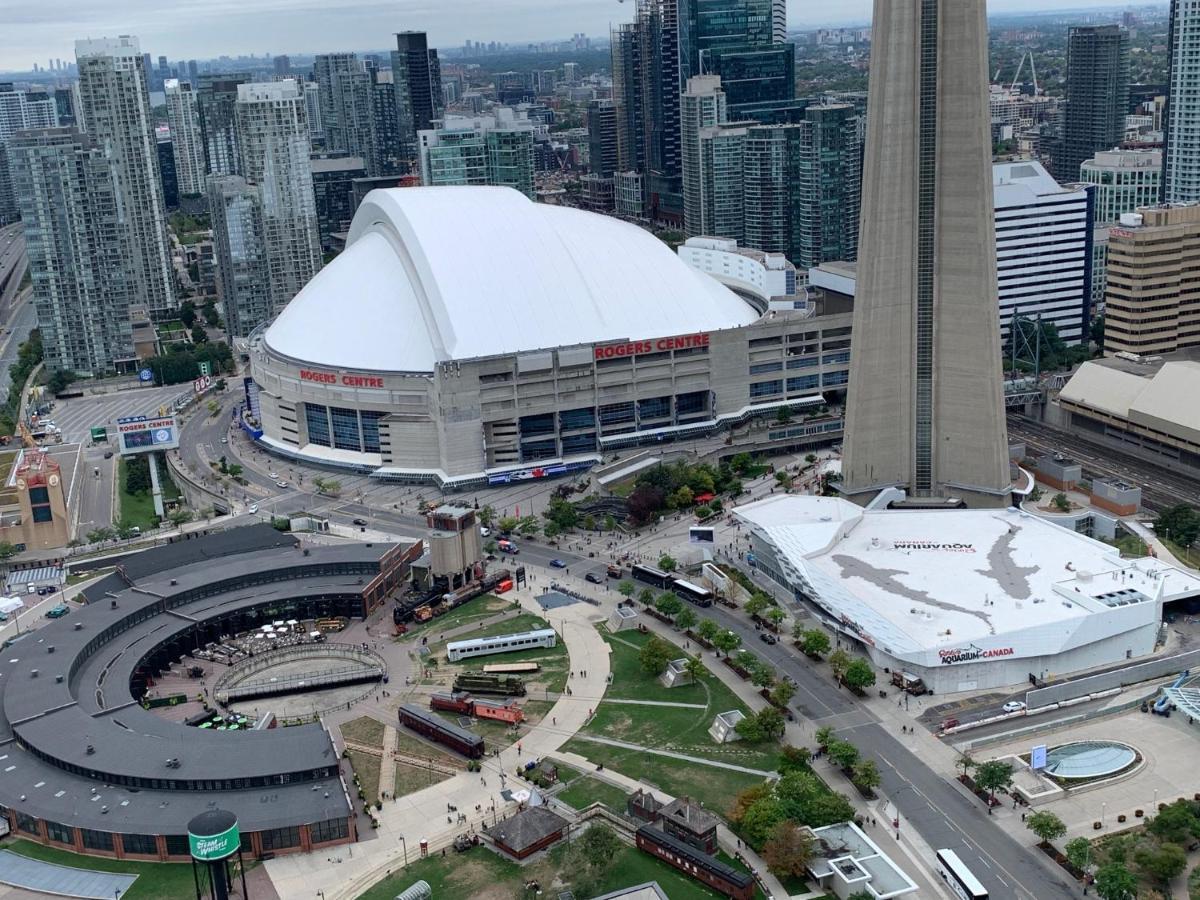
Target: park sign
(213,847)
(146,434)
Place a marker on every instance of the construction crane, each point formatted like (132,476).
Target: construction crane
(1032,69)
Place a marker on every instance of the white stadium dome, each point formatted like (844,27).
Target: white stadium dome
(433,275)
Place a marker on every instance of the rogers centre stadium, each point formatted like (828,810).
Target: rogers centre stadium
(469,336)
(963,599)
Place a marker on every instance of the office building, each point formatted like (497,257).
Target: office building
(1152,299)
(235,211)
(312,108)
(183,116)
(755,77)
(603,157)
(1124,180)
(283,66)
(167,174)
(74,235)
(216,100)
(116,106)
(702,106)
(1097,96)
(1181,122)
(333,187)
(18,111)
(496,150)
(1043,249)
(924,406)
(417,77)
(273,138)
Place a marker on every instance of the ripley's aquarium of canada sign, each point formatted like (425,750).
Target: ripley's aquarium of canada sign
(214,846)
(971,653)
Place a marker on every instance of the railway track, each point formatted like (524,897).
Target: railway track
(1161,487)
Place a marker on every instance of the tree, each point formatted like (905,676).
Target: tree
(771,721)
(992,776)
(707,629)
(782,693)
(815,643)
(646,596)
(562,513)
(859,674)
(726,641)
(866,775)
(1097,333)
(199,335)
(1176,823)
(551,531)
(213,407)
(1115,882)
(610,522)
(1061,503)
(667,564)
(508,524)
(703,511)
(235,470)
(694,668)
(794,759)
(1180,524)
(654,655)
(179,516)
(966,761)
(758,824)
(529,526)
(668,604)
(486,516)
(137,475)
(775,616)
(187,313)
(626,588)
(125,529)
(681,498)
(789,850)
(100,535)
(60,380)
(839,661)
(1046,825)
(1079,853)
(592,854)
(843,753)
(747,798)
(1162,863)
(824,736)
(685,618)
(757,603)
(761,675)
(750,730)
(589,522)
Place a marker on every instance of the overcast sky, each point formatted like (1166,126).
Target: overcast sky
(35,30)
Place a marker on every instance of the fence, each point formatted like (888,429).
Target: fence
(1118,678)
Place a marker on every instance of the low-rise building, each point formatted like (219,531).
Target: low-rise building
(848,863)
(525,833)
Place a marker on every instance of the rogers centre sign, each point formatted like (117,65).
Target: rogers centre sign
(634,348)
(367,381)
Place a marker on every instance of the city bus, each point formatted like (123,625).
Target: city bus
(651,576)
(962,882)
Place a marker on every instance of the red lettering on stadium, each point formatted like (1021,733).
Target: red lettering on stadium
(634,348)
(368,381)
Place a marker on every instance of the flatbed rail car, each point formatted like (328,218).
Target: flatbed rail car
(521,668)
(501,643)
(479,683)
(436,729)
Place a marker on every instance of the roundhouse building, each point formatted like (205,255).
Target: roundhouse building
(87,768)
(469,336)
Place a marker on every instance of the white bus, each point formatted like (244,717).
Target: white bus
(962,882)
(503,643)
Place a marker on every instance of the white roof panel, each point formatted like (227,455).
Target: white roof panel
(453,273)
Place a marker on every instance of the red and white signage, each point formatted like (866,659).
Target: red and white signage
(345,380)
(635,348)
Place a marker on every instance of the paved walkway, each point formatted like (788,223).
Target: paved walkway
(387,765)
(658,703)
(699,760)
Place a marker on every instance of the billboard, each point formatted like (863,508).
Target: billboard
(701,534)
(144,434)
(208,847)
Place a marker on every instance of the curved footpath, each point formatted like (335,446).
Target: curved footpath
(421,816)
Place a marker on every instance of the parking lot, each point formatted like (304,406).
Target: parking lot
(78,415)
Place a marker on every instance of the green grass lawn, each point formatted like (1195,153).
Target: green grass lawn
(138,509)
(411,745)
(366,767)
(482,875)
(410,779)
(481,607)
(554,661)
(584,791)
(155,881)
(364,730)
(499,734)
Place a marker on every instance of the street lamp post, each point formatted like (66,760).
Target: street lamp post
(1103,809)
(404,847)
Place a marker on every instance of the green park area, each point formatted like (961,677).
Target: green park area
(136,497)
(553,662)
(155,881)
(482,875)
(482,607)
(677,730)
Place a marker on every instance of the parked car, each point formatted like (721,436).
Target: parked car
(594,577)
(58,612)
(1013,706)
(108,454)
(557,564)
